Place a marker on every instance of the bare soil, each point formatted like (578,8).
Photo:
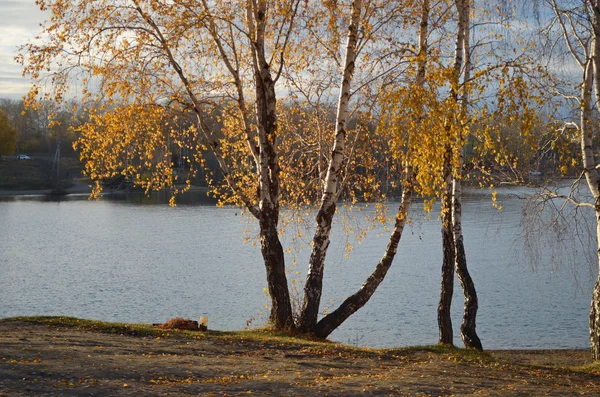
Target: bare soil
(49,360)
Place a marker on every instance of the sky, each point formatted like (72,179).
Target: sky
(19,23)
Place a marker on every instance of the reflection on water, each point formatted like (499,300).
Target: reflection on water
(117,260)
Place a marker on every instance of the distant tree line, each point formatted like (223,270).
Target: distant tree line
(39,130)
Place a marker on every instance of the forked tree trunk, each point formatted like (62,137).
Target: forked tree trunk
(350,305)
(448,242)
(314,280)
(267,212)
(468,327)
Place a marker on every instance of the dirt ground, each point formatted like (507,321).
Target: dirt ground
(44,360)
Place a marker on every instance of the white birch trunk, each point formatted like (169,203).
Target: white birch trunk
(592,176)
(468,331)
(448,240)
(314,279)
(360,298)
(265,99)
(265,155)
(268,170)
(351,304)
(589,60)
(591,76)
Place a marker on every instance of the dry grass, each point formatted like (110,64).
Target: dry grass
(69,356)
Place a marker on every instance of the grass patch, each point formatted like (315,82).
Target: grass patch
(451,352)
(93,325)
(260,338)
(593,368)
(267,336)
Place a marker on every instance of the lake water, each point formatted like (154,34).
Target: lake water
(133,260)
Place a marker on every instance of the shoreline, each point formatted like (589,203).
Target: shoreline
(79,189)
(60,355)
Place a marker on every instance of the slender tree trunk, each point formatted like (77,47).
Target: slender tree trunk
(314,279)
(333,320)
(268,170)
(352,304)
(447,285)
(468,331)
(591,81)
(591,76)
(595,306)
(589,60)
(272,251)
(448,242)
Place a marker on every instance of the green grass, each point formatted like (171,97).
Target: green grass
(93,325)
(590,368)
(131,329)
(264,338)
(451,352)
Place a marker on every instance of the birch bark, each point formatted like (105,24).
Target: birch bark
(592,178)
(263,150)
(268,170)
(591,80)
(350,305)
(314,279)
(589,60)
(448,243)
(468,331)
(446,336)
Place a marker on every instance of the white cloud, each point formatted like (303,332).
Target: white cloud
(19,23)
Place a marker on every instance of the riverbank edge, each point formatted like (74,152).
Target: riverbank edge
(283,339)
(66,355)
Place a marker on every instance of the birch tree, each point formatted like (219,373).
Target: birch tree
(454,257)
(511,100)
(468,326)
(314,282)
(148,60)
(141,67)
(357,300)
(575,28)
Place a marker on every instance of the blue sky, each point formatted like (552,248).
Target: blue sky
(19,22)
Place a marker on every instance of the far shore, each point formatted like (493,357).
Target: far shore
(78,188)
(69,356)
